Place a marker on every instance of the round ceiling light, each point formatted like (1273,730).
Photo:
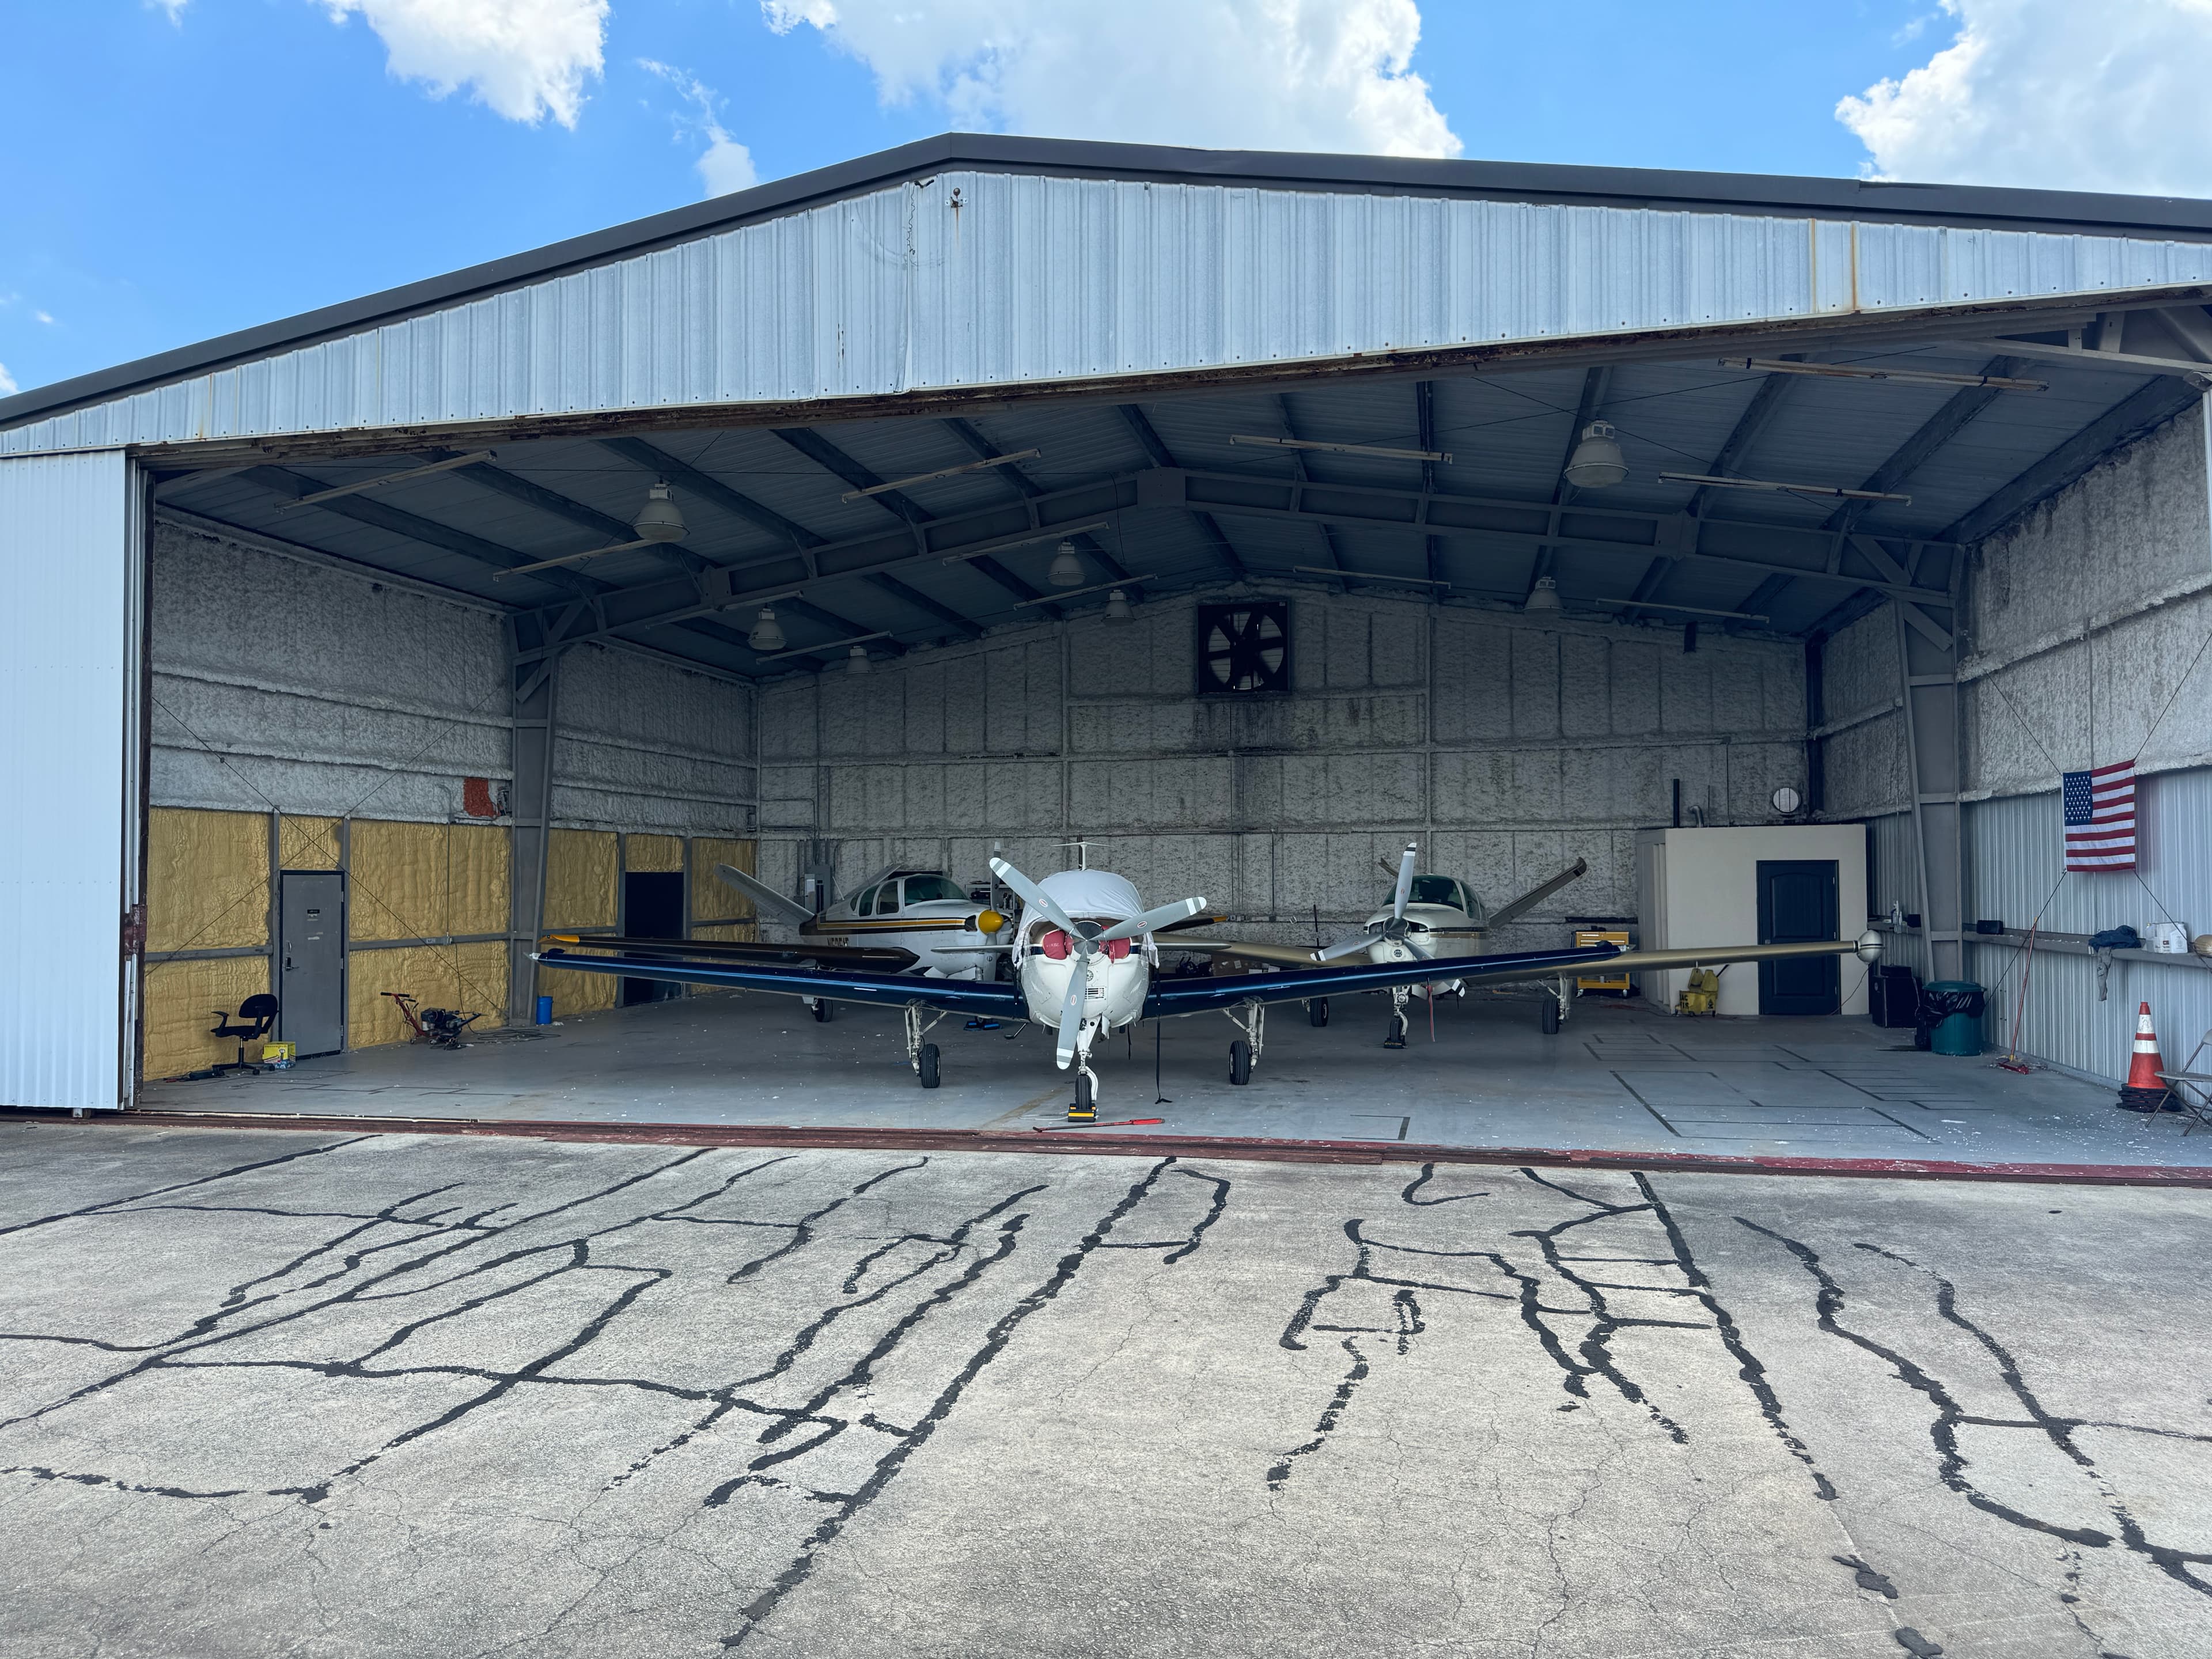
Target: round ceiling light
(1066,569)
(658,521)
(1597,463)
(766,635)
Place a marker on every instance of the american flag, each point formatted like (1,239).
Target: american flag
(2101,817)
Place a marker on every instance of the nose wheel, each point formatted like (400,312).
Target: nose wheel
(1399,1023)
(1086,1109)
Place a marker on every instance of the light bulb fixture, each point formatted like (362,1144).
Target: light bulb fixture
(1597,463)
(658,521)
(1117,609)
(1066,569)
(856,661)
(767,634)
(1543,596)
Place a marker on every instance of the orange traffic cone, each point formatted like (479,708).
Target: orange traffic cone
(2144,1091)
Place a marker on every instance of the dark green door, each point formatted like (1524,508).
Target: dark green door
(1797,902)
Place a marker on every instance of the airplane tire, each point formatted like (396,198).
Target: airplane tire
(926,1067)
(822,1011)
(1085,1103)
(1240,1062)
(1317,1011)
(1551,1017)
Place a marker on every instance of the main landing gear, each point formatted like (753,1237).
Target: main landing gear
(922,1056)
(1317,1011)
(819,1007)
(1244,1053)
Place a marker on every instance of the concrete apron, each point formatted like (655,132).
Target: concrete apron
(1620,1088)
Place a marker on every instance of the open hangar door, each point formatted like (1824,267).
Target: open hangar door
(71,548)
(1514,672)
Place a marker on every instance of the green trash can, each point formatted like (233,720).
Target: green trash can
(1951,1014)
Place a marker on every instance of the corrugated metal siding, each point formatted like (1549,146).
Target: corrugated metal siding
(1894,880)
(69,654)
(2014,861)
(974,278)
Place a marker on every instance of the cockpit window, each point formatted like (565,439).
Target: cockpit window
(1434,890)
(925,890)
(865,904)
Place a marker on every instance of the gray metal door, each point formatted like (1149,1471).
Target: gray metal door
(311,960)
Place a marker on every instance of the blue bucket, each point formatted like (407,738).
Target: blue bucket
(545,1011)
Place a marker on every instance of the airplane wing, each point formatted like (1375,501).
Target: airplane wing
(887,958)
(1868,947)
(1192,996)
(766,900)
(958,996)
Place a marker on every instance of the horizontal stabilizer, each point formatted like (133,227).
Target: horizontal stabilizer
(770,904)
(1535,896)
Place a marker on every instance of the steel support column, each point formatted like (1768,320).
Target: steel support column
(1928,668)
(530,817)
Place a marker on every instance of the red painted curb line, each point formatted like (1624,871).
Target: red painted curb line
(1082,1143)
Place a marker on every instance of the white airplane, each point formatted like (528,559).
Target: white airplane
(1437,918)
(1084,954)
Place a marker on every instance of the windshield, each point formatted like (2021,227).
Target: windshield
(923,889)
(1434,889)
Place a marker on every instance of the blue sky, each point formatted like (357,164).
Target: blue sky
(177,168)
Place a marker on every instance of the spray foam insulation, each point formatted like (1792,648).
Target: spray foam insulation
(575,994)
(207,879)
(471,978)
(181,1000)
(712,897)
(425,880)
(645,853)
(581,870)
(307,843)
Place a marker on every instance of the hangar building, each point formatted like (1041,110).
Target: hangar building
(384,607)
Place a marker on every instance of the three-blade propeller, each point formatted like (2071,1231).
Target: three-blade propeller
(1394,927)
(1083,945)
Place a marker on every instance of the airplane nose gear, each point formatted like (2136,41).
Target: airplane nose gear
(1398,1020)
(1086,1109)
(1251,1018)
(922,1056)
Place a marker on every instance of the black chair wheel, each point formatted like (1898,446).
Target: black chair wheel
(1317,1011)
(926,1065)
(1240,1062)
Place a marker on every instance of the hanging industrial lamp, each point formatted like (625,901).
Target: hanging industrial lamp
(658,521)
(856,661)
(1117,609)
(1543,596)
(1066,569)
(1597,463)
(766,635)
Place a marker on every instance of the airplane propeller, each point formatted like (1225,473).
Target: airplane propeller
(1395,926)
(1083,946)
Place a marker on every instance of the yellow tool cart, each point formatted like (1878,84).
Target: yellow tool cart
(1608,985)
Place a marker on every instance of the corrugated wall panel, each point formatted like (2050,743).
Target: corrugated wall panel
(69,654)
(2014,866)
(979,279)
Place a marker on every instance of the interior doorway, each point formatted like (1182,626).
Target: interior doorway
(1797,904)
(653,907)
(311,941)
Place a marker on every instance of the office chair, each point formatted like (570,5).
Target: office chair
(259,1013)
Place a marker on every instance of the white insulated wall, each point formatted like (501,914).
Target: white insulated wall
(1507,745)
(2082,624)
(282,679)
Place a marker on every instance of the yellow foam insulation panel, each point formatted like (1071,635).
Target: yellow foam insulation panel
(471,978)
(581,870)
(207,879)
(425,880)
(181,998)
(652,852)
(574,994)
(306,843)
(712,896)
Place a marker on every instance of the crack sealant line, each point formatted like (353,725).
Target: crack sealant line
(1250,1150)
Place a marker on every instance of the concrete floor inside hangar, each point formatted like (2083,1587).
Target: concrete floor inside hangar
(266,1393)
(1618,1077)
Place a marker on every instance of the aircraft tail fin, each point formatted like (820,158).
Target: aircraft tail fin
(771,904)
(1535,896)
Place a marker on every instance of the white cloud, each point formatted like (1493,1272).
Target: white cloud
(45,317)
(726,165)
(6,382)
(1316,75)
(2053,94)
(175,8)
(527,59)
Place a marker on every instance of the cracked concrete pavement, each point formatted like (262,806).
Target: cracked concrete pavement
(277,1393)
